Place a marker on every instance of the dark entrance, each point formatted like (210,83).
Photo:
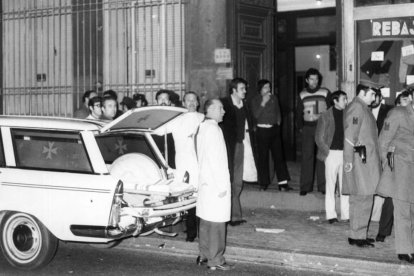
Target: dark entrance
(296,30)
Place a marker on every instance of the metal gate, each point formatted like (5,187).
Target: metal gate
(55,50)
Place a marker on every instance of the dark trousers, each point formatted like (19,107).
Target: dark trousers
(387,217)
(307,171)
(237,183)
(270,139)
(160,141)
(191,224)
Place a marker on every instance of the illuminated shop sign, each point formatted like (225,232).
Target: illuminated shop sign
(396,27)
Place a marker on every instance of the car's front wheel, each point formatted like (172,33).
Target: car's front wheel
(25,242)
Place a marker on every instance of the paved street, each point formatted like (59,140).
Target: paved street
(82,259)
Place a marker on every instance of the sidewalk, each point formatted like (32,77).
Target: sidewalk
(304,243)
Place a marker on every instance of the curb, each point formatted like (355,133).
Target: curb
(294,260)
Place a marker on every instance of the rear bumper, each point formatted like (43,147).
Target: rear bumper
(146,219)
(105,232)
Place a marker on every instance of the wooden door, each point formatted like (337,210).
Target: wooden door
(251,40)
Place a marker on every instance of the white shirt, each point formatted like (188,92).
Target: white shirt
(90,117)
(375,111)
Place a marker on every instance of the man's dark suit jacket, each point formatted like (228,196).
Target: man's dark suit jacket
(229,128)
(382,114)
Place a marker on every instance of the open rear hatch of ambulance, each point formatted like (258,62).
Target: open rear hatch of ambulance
(158,201)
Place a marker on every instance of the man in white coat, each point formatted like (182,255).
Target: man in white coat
(183,130)
(214,193)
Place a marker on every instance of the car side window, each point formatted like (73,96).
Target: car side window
(114,146)
(2,158)
(50,150)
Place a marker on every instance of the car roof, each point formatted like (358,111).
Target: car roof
(43,122)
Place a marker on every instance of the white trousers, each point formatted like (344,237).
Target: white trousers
(377,208)
(249,167)
(333,172)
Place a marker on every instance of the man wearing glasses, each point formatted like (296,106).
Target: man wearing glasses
(95,111)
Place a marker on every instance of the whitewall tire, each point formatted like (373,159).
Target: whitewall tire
(25,242)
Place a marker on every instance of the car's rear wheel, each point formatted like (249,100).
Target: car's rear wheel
(25,242)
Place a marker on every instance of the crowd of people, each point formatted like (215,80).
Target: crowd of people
(364,153)
(106,107)
(367,148)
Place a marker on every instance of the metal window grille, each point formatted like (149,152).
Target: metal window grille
(55,50)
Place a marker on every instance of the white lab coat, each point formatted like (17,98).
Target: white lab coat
(214,174)
(183,130)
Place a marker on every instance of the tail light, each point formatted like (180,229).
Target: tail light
(186,178)
(117,201)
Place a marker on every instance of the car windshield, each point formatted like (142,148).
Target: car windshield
(115,145)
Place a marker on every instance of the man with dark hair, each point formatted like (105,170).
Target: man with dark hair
(175,99)
(329,137)
(266,112)
(213,203)
(140,100)
(237,129)
(404,98)
(113,95)
(313,101)
(95,108)
(127,104)
(110,93)
(83,111)
(163,99)
(361,162)
(191,101)
(109,108)
(379,110)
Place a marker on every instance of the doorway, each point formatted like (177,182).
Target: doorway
(305,38)
(319,57)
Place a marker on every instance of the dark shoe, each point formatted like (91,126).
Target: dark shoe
(303,193)
(406,257)
(323,192)
(380,238)
(370,240)
(189,239)
(285,188)
(333,220)
(224,266)
(262,189)
(237,222)
(360,243)
(200,261)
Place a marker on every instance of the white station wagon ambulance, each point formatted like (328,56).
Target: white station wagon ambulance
(84,181)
